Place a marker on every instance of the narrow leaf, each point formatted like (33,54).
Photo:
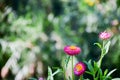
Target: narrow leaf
(55,67)
(105,72)
(90,67)
(95,67)
(50,77)
(57,71)
(98,44)
(111,72)
(96,78)
(116,79)
(67,60)
(100,71)
(107,47)
(88,72)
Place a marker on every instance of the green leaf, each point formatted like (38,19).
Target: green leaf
(105,72)
(95,67)
(50,74)
(57,71)
(116,79)
(50,77)
(111,72)
(55,67)
(88,72)
(107,47)
(98,44)
(87,79)
(96,78)
(90,67)
(67,60)
(100,71)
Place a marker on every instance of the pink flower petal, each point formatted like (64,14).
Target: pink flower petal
(72,51)
(81,71)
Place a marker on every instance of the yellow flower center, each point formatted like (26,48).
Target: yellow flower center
(91,2)
(73,47)
(79,67)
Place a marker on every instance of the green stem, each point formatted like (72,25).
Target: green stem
(100,61)
(81,77)
(64,74)
(64,69)
(102,55)
(72,69)
(94,76)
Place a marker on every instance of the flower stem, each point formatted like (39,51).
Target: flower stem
(72,69)
(102,55)
(63,62)
(100,61)
(81,77)
(64,74)
(94,76)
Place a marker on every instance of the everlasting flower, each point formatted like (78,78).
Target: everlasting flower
(32,68)
(115,22)
(41,78)
(79,68)
(104,35)
(72,50)
(4,72)
(91,2)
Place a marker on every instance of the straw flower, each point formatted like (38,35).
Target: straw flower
(72,50)
(41,78)
(104,35)
(79,68)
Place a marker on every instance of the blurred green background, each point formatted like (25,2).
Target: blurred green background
(33,34)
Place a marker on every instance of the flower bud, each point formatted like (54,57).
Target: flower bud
(4,72)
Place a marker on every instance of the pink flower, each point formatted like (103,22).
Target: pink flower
(72,50)
(104,35)
(4,72)
(79,68)
(115,22)
(41,78)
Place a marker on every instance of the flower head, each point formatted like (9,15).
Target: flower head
(79,68)
(4,72)
(41,78)
(104,35)
(72,50)
(115,22)
(91,2)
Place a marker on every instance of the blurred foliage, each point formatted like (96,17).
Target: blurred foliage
(34,32)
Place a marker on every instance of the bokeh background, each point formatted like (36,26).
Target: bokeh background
(33,34)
